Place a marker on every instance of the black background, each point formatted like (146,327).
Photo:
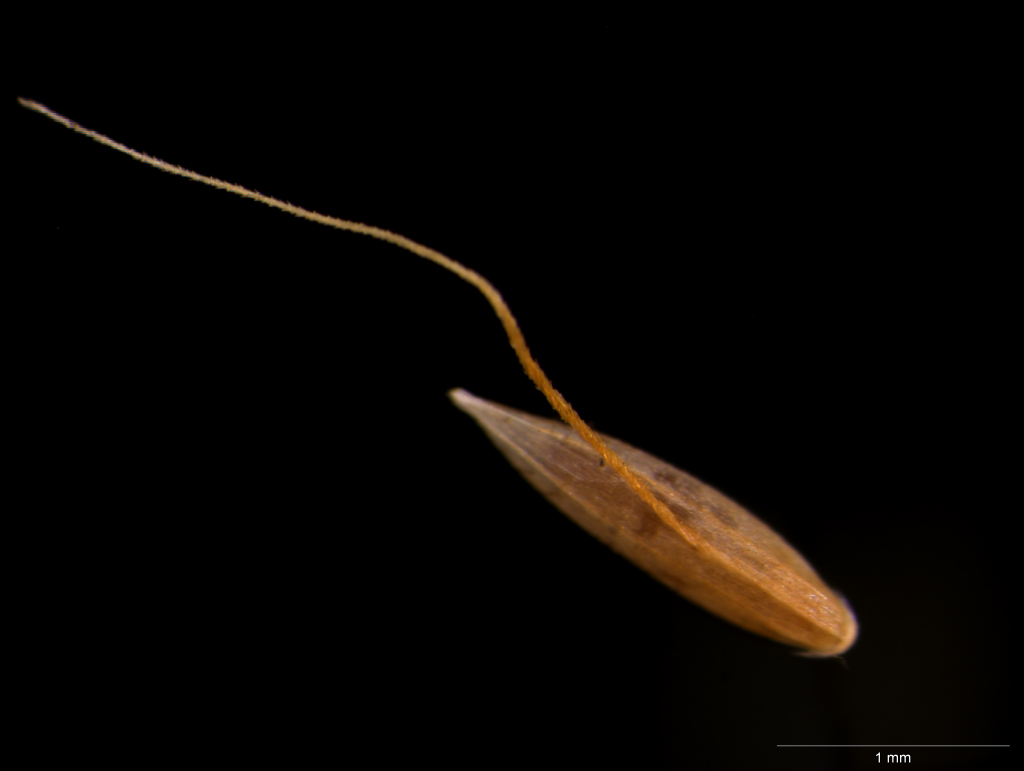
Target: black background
(256,525)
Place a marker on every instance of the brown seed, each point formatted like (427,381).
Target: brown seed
(683,532)
(723,558)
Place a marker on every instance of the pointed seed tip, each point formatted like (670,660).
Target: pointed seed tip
(461,397)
